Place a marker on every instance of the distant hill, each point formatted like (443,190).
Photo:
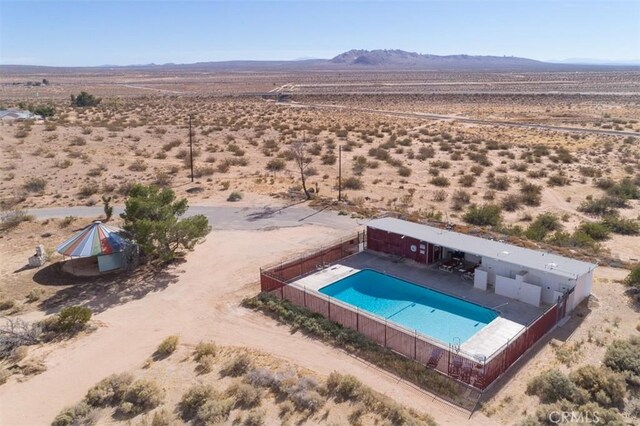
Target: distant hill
(351,60)
(403,59)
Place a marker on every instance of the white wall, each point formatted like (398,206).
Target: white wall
(480,279)
(548,282)
(518,289)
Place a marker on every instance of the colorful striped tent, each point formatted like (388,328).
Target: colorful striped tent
(96,239)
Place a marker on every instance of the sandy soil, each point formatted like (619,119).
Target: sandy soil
(198,308)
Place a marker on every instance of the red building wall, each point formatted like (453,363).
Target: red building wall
(396,244)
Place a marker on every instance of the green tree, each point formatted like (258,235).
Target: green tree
(84,99)
(152,217)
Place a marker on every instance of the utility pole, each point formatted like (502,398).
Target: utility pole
(339,172)
(191,147)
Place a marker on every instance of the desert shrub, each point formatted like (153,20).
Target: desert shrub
(35,185)
(237,366)
(466,180)
(511,202)
(205,364)
(460,199)
(595,230)
(214,411)
(84,99)
(559,179)
(142,395)
(328,159)
(235,196)
(302,392)
(604,386)
(204,349)
(161,418)
(440,181)
(109,391)
(262,377)
(552,386)
(69,320)
(255,417)
(440,195)
(485,215)
(4,375)
(404,171)
(621,226)
(89,189)
(352,183)
(344,387)
(633,279)
(309,400)
(138,166)
(530,194)
(276,165)
(12,218)
(500,183)
(79,414)
(624,355)
(245,395)
(167,346)
(599,206)
(194,399)
(170,145)
(625,189)
(78,141)
(476,169)
(425,152)
(541,226)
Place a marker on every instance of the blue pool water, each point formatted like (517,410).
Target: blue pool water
(445,318)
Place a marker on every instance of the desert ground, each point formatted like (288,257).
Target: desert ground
(409,145)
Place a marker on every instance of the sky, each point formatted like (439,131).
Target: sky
(101,32)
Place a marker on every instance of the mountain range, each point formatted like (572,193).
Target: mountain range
(393,59)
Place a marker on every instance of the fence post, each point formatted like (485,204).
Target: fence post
(415,345)
(385,332)
(304,296)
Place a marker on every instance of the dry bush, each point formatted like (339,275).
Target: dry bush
(12,218)
(141,395)
(4,375)
(245,395)
(254,418)
(79,414)
(109,391)
(237,366)
(194,399)
(36,185)
(167,346)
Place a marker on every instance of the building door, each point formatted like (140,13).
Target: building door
(437,253)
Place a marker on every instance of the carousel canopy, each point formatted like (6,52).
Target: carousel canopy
(96,239)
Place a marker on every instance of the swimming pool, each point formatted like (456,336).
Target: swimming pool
(445,318)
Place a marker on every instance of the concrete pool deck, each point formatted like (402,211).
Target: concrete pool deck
(514,315)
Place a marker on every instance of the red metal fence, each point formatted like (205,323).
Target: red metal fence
(275,276)
(446,359)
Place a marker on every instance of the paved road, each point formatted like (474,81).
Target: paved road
(229,217)
(478,121)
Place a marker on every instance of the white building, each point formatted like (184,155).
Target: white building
(531,276)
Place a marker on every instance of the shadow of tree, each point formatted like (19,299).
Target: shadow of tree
(105,291)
